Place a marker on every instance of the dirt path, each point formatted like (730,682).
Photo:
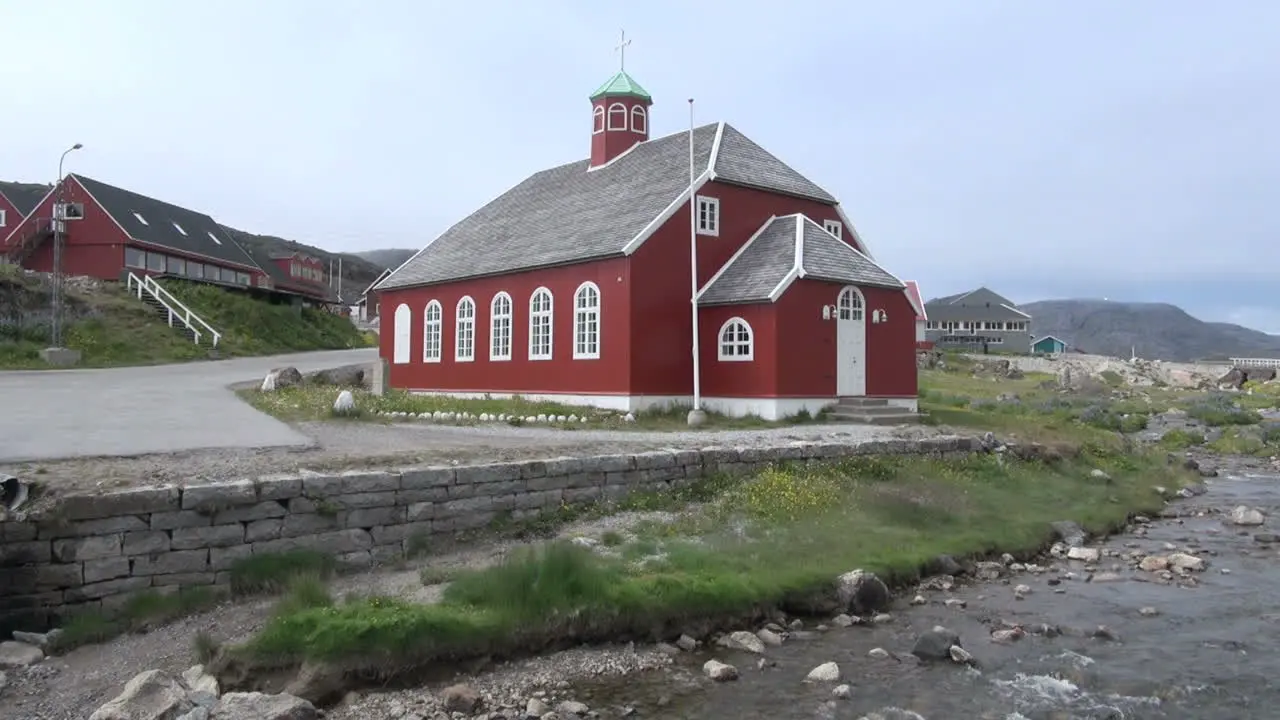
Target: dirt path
(346,445)
(72,686)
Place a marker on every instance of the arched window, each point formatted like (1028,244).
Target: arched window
(586,322)
(617,116)
(464,332)
(540,325)
(431,334)
(850,304)
(400,335)
(736,341)
(500,327)
(597,120)
(639,120)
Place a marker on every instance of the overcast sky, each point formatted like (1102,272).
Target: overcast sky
(1045,148)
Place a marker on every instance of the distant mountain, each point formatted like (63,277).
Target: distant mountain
(390,257)
(1155,330)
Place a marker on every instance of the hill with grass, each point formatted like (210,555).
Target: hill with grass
(357,272)
(112,328)
(1157,331)
(388,257)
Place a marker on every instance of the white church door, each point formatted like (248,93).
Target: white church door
(851,344)
(400,339)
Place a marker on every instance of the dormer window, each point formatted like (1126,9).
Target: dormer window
(639,120)
(178,227)
(708,216)
(598,120)
(835,227)
(141,219)
(214,237)
(617,116)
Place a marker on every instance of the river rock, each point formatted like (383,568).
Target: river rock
(826,672)
(960,655)
(4,682)
(1084,554)
(18,654)
(572,708)
(460,698)
(987,570)
(1154,563)
(720,672)
(199,681)
(1070,533)
(935,644)
(686,643)
(1183,561)
(1246,516)
(316,682)
(878,653)
(151,695)
(536,708)
(769,637)
(742,640)
(841,692)
(861,592)
(260,706)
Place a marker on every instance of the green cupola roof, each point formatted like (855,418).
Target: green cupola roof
(622,84)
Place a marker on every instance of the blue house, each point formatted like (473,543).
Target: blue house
(1048,345)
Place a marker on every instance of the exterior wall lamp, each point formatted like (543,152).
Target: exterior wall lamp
(879,316)
(828,312)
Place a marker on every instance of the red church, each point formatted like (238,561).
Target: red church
(575,285)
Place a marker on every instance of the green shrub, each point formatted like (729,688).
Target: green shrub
(1180,439)
(1218,410)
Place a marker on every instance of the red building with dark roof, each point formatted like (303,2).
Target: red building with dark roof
(575,285)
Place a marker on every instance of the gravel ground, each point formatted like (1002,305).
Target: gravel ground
(346,445)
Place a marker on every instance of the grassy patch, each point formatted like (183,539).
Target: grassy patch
(111,327)
(313,402)
(275,572)
(1179,439)
(143,611)
(769,541)
(1221,409)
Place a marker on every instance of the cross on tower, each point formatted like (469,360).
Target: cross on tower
(621,47)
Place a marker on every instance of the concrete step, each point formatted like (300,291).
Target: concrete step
(868,409)
(898,417)
(862,402)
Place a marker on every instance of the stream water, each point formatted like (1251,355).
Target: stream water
(1209,654)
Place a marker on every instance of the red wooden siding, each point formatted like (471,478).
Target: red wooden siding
(94,245)
(12,218)
(754,378)
(561,374)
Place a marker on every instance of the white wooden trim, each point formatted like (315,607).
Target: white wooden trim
(713,229)
(578,316)
(439,327)
(597,127)
(835,227)
(609,116)
(1010,308)
(798,262)
(376,280)
(494,316)
(735,256)
(551,324)
(465,300)
(783,284)
(715,149)
(666,214)
(751,341)
(644,115)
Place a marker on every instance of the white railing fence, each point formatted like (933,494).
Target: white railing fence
(139,284)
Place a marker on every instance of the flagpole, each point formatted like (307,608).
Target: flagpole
(696,415)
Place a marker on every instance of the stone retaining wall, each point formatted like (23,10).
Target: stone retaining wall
(95,551)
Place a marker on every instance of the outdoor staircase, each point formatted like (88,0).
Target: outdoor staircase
(178,316)
(22,246)
(872,411)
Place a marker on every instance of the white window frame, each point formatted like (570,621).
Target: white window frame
(586,339)
(622,112)
(2,217)
(178,227)
(835,227)
(597,120)
(708,216)
(432,328)
(464,330)
(400,351)
(501,324)
(140,218)
(535,316)
(735,342)
(637,111)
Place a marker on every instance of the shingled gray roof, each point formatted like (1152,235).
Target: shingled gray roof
(784,249)
(24,196)
(568,214)
(199,233)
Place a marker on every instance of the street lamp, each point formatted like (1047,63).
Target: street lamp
(56,323)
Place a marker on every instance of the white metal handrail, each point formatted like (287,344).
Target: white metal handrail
(175,308)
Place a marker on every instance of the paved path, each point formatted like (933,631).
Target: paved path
(133,411)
